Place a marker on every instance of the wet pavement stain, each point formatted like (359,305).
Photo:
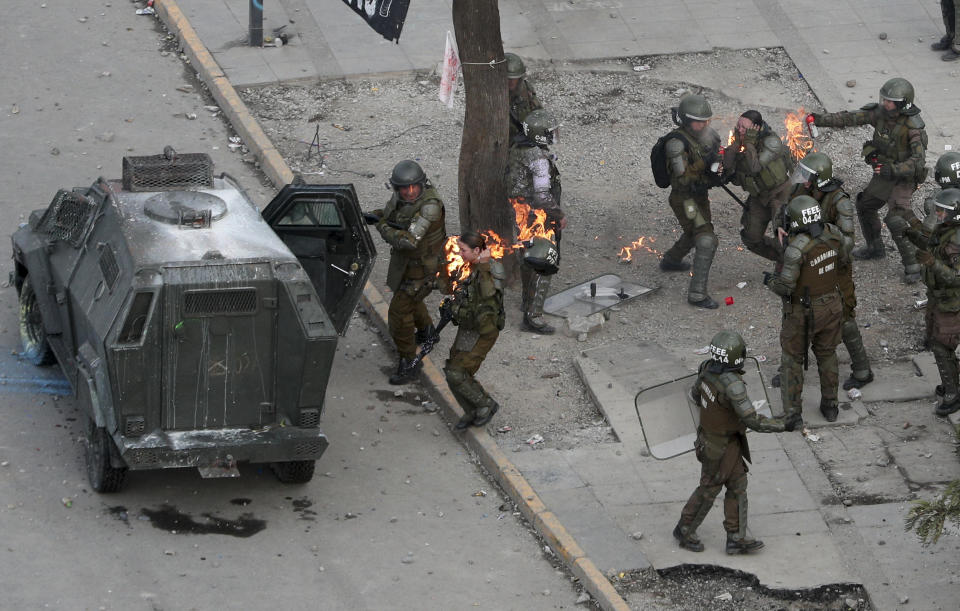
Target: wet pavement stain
(169,518)
(302,506)
(241,502)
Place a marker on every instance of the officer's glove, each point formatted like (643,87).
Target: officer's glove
(371,218)
(930,223)
(885,171)
(766,278)
(750,136)
(925,257)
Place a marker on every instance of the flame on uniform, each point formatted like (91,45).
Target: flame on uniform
(797,138)
(527,229)
(641,243)
(457,268)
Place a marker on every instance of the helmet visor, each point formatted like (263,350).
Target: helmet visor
(803,174)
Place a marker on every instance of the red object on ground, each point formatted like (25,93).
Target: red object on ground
(728,300)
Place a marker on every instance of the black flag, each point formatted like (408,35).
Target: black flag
(386,17)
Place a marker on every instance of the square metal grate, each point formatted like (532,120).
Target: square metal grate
(209,303)
(159,173)
(68,217)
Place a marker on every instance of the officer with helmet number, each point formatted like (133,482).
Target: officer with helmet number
(809,283)
(897,153)
(721,446)
(413,224)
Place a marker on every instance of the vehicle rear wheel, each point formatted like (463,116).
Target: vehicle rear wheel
(102,475)
(36,349)
(294,471)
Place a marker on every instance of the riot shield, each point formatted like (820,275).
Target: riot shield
(669,417)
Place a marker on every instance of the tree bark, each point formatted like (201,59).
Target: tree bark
(484,146)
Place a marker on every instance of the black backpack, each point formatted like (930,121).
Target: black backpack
(658,158)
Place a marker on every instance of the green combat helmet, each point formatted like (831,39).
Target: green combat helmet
(947,170)
(898,90)
(816,168)
(515,66)
(803,211)
(407,172)
(948,201)
(541,127)
(694,107)
(727,351)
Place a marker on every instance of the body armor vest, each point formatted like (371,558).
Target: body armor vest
(480,300)
(520,177)
(696,177)
(818,267)
(771,175)
(429,251)
(716,414)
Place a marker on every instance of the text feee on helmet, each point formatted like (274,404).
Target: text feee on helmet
(727,349)
(803,211)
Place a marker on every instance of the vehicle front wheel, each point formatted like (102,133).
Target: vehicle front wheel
(36,349)
(294,471)
(102,475)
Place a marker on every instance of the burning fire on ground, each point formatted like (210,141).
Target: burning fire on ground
(641,243)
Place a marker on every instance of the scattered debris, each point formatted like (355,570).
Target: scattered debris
(535,440)
(480,493)
(67,501)
(642,68)
(724,596)
(854,394)
(740,285)
(704,350)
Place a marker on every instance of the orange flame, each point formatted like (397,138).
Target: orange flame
(797,138)
(457,268)
(730,138)
(626,252)
(527,229)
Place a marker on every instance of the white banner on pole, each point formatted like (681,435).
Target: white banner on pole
(451,67)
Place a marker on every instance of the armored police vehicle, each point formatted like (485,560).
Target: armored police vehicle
(194,330)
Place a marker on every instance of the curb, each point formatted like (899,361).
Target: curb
(489,453)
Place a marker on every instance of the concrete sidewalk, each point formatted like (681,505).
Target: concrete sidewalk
(831,42)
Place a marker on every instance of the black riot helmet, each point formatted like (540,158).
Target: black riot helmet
(948,202)
(803,212)
(899,91)
(727,351)
(407,172)
(947,170)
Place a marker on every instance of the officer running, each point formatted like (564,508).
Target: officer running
(939,238)
(814,177)
(533,179)
(812,307)
(478,313)
(523,99)
(897,154)
(721,447)
(690,153)
(759,162)
(412,223)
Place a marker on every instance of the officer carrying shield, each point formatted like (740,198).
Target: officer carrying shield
(533,179)
(721,447)
(412,223)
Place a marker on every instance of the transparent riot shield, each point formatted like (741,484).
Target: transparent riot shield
(669,417)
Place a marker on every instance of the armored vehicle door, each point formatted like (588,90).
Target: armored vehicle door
(323,226)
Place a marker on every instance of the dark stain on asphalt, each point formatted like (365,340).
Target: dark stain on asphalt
(169,518)
(302,506)
(120,512)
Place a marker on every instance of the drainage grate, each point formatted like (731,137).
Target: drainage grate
(134,426)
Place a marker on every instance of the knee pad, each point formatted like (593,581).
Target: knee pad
(706,241)
(849,327)
(737,486)
(455,377)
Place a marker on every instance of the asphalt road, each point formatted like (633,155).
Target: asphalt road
(394,517)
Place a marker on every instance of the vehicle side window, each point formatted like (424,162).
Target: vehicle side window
(312,212)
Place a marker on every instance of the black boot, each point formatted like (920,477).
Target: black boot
(405,372)
(853,382)
(945,409)
(483,417)
(706,303)
(464,422)
(829,410)
(672,265)
(536,325)
(869,251)
(943,44)
(745,545)
(687,540)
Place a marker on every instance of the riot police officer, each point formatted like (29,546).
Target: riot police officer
(413,224)
(523,99)
(533,179)
(949,42)
(691,149)
(814,177)
(478,313)
(759,162)
(897,154)
(939,239)
(721,446)
(812,308)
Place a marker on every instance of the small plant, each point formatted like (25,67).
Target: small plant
(927,518)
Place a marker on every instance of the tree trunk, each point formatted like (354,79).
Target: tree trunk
(484,146)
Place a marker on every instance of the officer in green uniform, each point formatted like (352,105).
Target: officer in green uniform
(523,99)
(814,177)
(533,179)
(897,154)
(949,42)
(939,238)
(412,223)
(477,310)
(692,149)
(759,162)
(721,446)
(809,284)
